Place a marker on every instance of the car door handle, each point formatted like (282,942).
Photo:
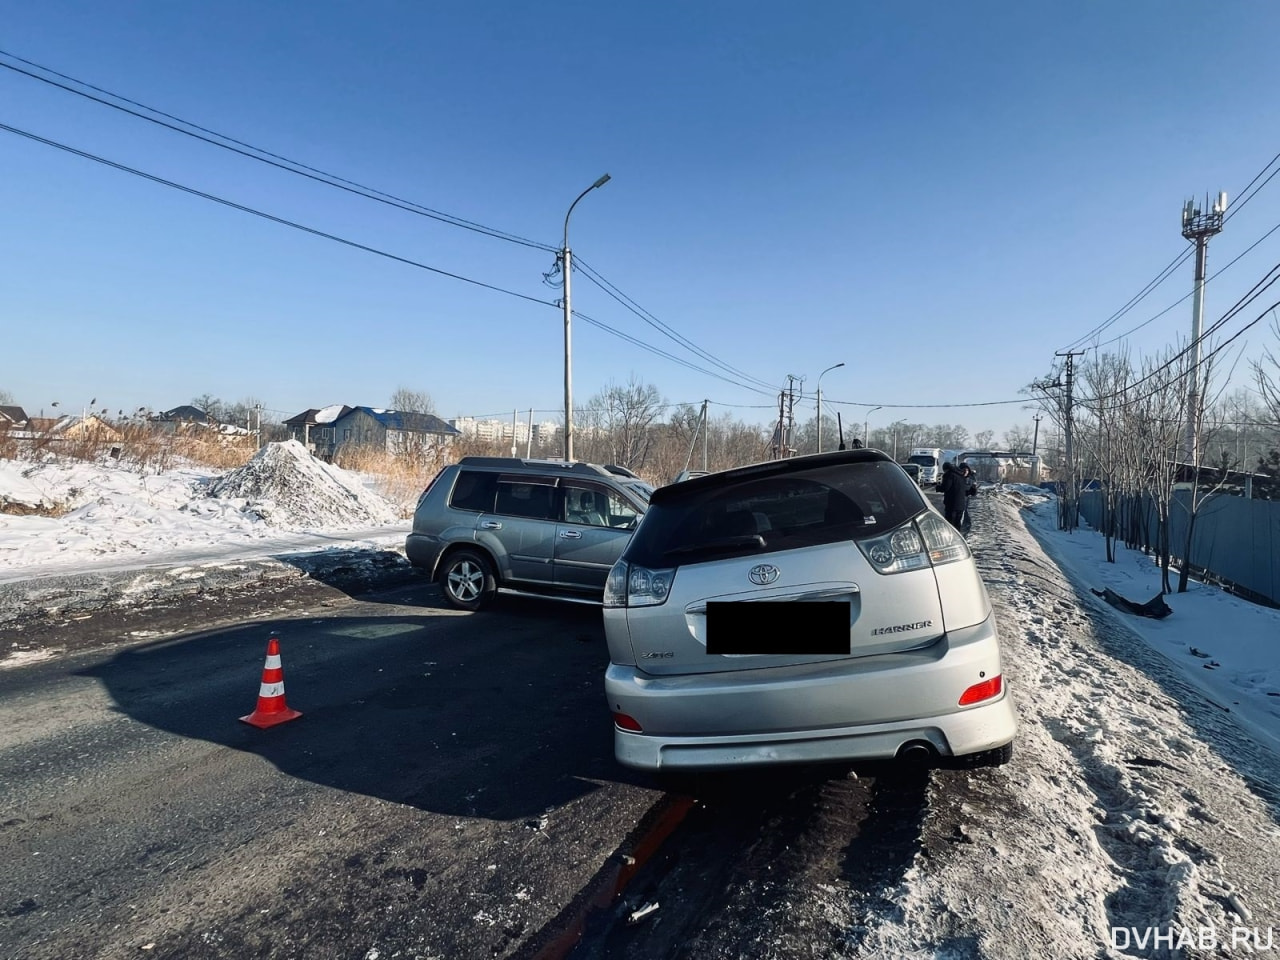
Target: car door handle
(491,525)
(570,535)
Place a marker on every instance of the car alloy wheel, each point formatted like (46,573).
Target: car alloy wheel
(467,580)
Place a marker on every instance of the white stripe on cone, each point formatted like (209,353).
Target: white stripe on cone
(273,663)
(271,689)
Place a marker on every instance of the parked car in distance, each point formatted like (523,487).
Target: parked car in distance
(912,470)
(804,610)
(540,527)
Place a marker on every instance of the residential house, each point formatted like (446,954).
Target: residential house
(12,418)
(395,431)
(90,427)
(314,428)
(180,419)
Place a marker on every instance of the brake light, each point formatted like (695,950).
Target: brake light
(625,722)
(982,691)
(634,586)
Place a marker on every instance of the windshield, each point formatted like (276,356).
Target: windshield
(922,460)
(640,489)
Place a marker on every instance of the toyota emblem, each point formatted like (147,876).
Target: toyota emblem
(763,573)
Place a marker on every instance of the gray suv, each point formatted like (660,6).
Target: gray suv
(541,527)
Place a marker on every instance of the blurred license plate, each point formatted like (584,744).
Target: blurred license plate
(797,627)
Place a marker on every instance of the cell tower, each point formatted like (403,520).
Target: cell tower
(1198,225)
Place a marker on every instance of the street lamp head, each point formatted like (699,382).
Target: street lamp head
(601,182)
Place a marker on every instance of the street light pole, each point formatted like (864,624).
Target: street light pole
(896,425)
(828,370)
(866,424)
(567,260)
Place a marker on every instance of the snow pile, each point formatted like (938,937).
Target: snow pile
(285,487)
(18,494)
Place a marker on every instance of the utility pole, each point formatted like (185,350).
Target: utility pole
(528,441)
(1035,446)
(704,433)
(1068,513)
(1198,226)
(782,419)
(792,380)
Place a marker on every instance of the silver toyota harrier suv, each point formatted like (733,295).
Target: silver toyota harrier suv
(805,610)
(541,527)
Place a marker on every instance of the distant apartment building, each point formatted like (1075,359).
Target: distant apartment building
(496,430)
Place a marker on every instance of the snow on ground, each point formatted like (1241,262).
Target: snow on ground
(115,517)
(1135,806)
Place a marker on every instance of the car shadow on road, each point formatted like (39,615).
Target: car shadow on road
(355,572)
(498,715)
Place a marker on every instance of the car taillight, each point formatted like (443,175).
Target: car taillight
(944,543)
(632,586)
(982,691)
(915,545)
(627,723)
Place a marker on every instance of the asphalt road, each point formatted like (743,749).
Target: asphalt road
(449,791)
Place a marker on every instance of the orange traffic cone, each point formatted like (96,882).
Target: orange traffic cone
(271,706)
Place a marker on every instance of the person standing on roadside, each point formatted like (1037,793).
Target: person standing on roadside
(952,489)
(969,482)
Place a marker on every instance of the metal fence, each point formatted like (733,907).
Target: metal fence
(1235,539)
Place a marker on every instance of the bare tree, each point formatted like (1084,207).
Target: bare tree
(412,401)
(212,407)
(1019,438)
(624,416)
(6,397)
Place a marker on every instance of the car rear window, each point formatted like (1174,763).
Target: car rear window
(822,505)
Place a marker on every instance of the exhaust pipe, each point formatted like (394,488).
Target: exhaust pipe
(917,753)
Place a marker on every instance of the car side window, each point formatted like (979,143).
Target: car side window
(620,513)
(597,507)
(585,505)
(474,490)
(526,498)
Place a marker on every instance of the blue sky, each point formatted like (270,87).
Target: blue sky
(939,195)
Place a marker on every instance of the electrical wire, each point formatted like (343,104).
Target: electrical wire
(265,156)
(662,353)
(1187,296)
(1269,279)
(360,246)
(665,329)
(1177,261)
(267,216)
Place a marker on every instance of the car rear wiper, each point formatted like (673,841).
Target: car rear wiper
(718,545)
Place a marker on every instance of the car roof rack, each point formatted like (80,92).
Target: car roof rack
(507,463)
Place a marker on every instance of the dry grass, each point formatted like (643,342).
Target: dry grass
(140,448)
(399,478)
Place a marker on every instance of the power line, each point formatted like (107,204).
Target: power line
(665,329)
(360,246)
(265,156)
(662,353)
(1190,293)
(266,216)
(1177,261)
(1270,278)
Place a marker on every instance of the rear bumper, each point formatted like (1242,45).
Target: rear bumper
(852,710)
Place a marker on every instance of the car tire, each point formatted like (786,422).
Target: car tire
(467,581)
(996,757)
